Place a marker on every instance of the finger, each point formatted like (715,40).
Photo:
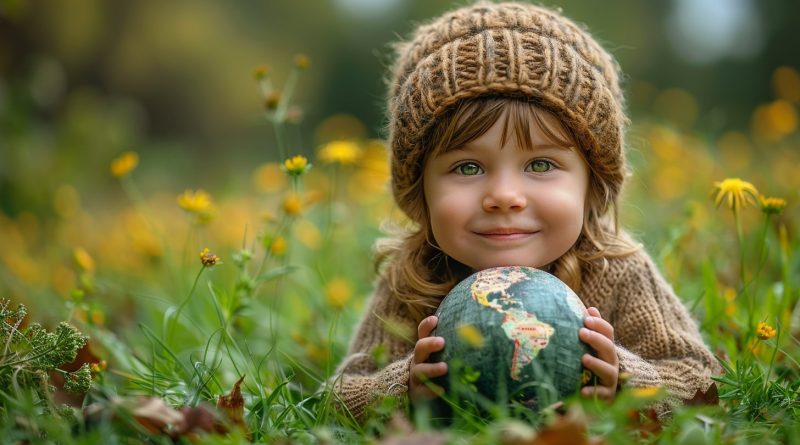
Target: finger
(423,372)
(598,324)
(606,373)
(605,348)
(594,312)
(426,326)
(601,392)
(426,346)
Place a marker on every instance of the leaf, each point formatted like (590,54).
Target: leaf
(645,421)
(232,405)
(569,429)
(709,397)
(156,417)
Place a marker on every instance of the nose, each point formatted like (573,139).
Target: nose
(504,193)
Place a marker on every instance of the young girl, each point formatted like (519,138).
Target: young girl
(506,134)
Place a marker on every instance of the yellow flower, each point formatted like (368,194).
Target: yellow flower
(307,233)
(278,246)
(738,193)
(342,152)
(268,178)
(124,164)
(301,61)
(765,331)
(198,202)
(645,392)
(772,206)
(338,292)
(207,258)
(586,377)
(83,259)
(471,335)
(296,165)
(292,205)
(261,72)
(99,367)
(272,100)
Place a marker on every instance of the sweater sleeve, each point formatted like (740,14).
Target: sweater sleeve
(379,357)
(659,343)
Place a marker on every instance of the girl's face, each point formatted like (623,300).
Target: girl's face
(500,204)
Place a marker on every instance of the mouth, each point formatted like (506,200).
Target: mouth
(506,233)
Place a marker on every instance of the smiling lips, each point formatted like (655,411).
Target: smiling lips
(506,234)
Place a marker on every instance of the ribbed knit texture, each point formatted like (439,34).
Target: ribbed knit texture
(507,49)
(658,343)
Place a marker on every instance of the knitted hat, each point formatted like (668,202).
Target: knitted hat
(506,49)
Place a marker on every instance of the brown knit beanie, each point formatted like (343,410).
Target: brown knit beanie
(506,49)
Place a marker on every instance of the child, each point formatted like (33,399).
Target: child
(506,134)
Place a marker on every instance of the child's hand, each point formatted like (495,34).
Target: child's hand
(599,334)
(421,371)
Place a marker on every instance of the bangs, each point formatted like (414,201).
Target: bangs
(471,119)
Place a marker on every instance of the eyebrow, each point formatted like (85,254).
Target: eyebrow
(534,147)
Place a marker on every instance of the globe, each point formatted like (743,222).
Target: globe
(511,335)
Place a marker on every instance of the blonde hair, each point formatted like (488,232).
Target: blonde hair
(420,274)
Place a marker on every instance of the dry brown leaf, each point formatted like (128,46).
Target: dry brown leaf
(232,405)
(155,416)
(570,429)
(646,422)
(709,397)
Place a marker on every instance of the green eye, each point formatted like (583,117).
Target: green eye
(468,169)
(540,166)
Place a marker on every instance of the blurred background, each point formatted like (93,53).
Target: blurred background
(713,90)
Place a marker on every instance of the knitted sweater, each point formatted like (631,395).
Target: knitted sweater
(658,344)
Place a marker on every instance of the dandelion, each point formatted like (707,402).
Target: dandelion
(302,62)
(198,202)
(124,164)
(296,165)
(471,335)
(738,193)
(278,246)
(340,152)
(292,205)
(83,259)
(338,292)
(272,100)
(586,377)
(99,367)
(765,331)
(771,206)
(261,72)
(645,392)
(98,318)
(207,258)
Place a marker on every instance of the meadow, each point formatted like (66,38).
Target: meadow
(218,316)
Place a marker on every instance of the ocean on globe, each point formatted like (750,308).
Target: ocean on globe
(511,335)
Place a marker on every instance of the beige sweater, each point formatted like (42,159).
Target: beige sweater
(658,343)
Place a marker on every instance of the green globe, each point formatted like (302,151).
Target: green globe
(511,334)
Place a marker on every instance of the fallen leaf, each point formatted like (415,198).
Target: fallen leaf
(570,429)
(709,397)
(232,405)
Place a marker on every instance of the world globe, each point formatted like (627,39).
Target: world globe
(511,335)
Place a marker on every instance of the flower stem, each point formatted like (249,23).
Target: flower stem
(183,304)
(742,278)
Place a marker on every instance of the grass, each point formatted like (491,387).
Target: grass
(172,326)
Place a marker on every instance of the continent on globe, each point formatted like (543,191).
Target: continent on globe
(529,336)
(522,343)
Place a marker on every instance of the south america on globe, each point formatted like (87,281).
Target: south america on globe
(511,335)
